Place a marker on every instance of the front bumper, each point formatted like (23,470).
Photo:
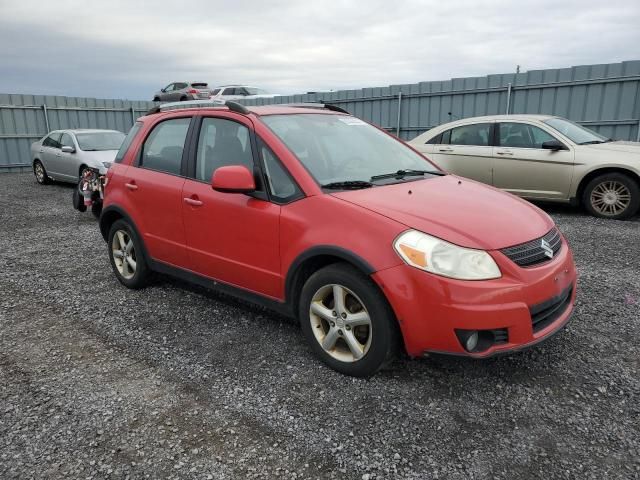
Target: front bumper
(431,308)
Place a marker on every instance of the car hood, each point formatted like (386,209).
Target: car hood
(461,211)
(627,147)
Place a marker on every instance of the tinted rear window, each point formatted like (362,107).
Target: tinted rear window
(199,85)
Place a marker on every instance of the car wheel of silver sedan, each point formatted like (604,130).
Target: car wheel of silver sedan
(612,195)
(347,320)
(40,173)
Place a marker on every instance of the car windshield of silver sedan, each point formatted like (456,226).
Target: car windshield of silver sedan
(98,141)
(576,133)
(343,152)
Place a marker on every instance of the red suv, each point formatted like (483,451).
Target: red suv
(326,218)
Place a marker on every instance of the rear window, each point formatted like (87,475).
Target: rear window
(199,85)
(126,143)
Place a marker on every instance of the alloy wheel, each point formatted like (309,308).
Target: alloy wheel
(340,323)
(610,198)
(124,254)
(39,171)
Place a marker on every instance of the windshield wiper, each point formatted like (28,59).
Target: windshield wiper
(348,185)
(406,173)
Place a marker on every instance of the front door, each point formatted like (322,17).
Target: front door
(231,237)
(466,151)
(69,165)
(522,167)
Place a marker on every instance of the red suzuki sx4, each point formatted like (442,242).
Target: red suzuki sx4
(328,219)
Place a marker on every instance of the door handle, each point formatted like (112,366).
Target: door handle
(194,202)
(504,152)
(131,186)
(445,149)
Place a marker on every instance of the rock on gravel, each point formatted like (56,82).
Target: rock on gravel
(178,382)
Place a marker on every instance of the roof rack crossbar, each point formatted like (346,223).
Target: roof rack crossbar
(328,106)
(233,106)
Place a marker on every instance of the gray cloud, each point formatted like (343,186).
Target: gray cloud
(129,49)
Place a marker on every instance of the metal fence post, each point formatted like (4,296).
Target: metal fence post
(399,106)
(638,135)
(46,117)
(508,98)
(133,116)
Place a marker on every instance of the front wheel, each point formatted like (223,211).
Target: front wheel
(612,195)
(347,321)
(126,255)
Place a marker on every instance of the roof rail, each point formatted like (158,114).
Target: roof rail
(328,106)
(233,106)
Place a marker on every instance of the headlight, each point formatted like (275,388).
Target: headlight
(443,258)
(107,164)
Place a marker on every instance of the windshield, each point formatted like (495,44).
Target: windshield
(574,132)
(255,91)
(340,148)
(100,140)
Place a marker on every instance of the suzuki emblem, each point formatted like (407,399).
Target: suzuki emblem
(546,248)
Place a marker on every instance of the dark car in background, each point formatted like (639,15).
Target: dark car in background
(181,91)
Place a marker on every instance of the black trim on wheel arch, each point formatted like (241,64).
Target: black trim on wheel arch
(323,250)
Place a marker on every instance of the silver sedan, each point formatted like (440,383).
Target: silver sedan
(63,154)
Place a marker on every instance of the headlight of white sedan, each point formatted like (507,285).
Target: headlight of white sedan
(443,258)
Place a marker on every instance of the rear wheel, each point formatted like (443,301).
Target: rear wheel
(41,174)
(612,195)
(126,255)
(347,321)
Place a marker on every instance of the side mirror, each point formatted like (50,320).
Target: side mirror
(68,149)
(554,145)
(233,179)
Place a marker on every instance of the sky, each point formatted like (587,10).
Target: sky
(130,49)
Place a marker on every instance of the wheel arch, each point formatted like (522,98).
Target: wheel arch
(584,181)
(109,216)
(313,259)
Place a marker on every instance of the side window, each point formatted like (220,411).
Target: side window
(169,88)
(66,141)
(476,134)
(180,86)
(52,140)
(222,142)
(281,186)
(435,140)
(127,142)
(522,135)
(229,91)
(162,150)
(216,91)
(446,138)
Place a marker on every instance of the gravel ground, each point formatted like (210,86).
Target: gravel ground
(178,382)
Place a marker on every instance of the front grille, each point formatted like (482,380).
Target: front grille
(545,313)
(532,253)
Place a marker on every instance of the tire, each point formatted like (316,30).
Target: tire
(324,322)
(78,200)
(614,196)
(183,99)
(120,234)
(41,177)
(96,208)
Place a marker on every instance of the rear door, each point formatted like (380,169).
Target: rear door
(465,150)
(49,154)
(231,237)
(154,184)
(521,166)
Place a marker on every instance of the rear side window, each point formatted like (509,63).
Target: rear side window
(52,140)
(222,143)
(476,134)
(162,150)
(216,91)
(435,140)
(127,142)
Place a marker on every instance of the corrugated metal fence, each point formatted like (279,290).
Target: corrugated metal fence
(26,118)
(605,98)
